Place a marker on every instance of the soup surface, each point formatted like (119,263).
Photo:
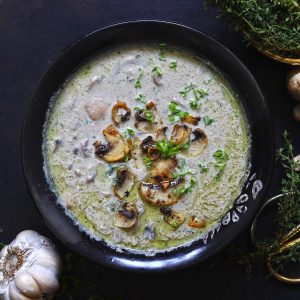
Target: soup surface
(146,147)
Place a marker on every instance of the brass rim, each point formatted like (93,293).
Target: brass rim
(290,61)
(285,243)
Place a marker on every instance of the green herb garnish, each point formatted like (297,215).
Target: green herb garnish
(186,146)
(173,65)
(130,131)
(268,25)
(183,93)
(157,71)
(147,161)
(203,168)
(147,114)
(167,148)
(175,113)
(207,120)
(182,190)
(141,98)
(221,159)
(138,81)
(194,104)
(162,51)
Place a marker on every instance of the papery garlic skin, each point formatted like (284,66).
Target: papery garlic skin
(29,268)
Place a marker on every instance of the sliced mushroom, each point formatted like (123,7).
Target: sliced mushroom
(196,222)
(161,134)
(120,112)
(153,153)
(162,169)
(172,217)
(116,149)
(137,153)
(191,120)
(155,194)
(181,134)
(143,124)
(127,216)
(147,143)
(125,180)
(198,143)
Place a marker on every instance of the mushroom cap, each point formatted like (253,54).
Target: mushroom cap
(180,134)
(198,143)
(124,183)
(118,149)
(117,116)
(127,216)
(158,195)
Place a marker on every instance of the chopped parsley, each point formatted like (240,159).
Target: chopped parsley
(167,148)
(186,189)
(147,114)
(221,159)
(186,145)
(175,113)
(126,157)
(207,120)
(130,131)
(138,81)
(182,172)
(141,98)
(203,168)
(162,51)
(157,71)
(194,104)
(173,65)
(197,92)
(147,161)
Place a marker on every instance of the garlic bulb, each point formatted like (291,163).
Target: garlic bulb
(29,268)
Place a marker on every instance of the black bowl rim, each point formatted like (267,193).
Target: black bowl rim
(169,266)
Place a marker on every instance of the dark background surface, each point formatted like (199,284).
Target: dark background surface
(32,34)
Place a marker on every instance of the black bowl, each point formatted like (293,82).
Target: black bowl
(262,156)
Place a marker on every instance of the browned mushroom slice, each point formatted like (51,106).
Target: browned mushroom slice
(191,120)
(137,153)
(153,153)
(198,143)
(116,149)
(181,134)
(172,217)
(120,112)
(147,143)
(127,216)
(155,194)
(125,180)
(162,169)
(148,119)
(161,134)
(196,222)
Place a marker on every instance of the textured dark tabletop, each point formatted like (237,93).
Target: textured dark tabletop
(32,34)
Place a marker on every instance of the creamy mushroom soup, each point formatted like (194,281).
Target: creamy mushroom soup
(146,147)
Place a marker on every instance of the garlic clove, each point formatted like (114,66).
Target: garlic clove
(45,278)
(15,294)
(31,238)
(26,284)
(6,295)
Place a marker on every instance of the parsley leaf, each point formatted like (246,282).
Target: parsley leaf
(186,189)
(221,158)
(207,120)
(147,161)
(167,148)
(175,113)
(183,93)
(130,131)
(203,168)
(162,51)
(138,81)
(173,65)
(157,71)
(194,104)
(149,116)
(141,98)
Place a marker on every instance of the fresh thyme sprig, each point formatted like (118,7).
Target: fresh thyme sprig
(288,216)
(269,25)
